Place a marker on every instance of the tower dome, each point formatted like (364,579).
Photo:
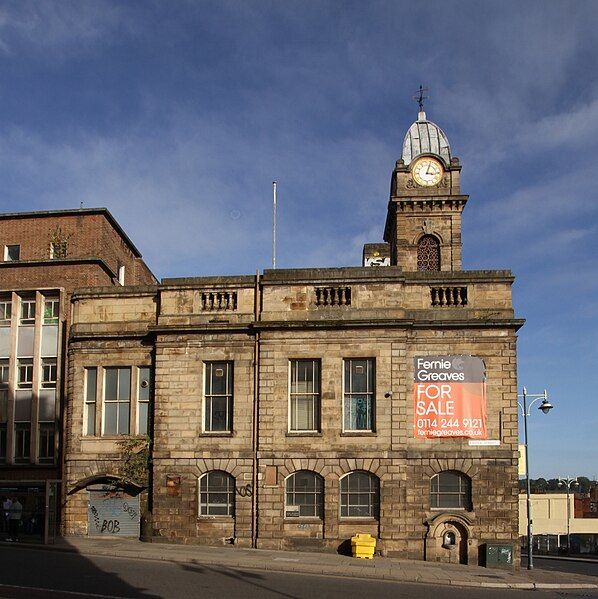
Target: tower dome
(425,137)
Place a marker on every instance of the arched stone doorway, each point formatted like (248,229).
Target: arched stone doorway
(449,540)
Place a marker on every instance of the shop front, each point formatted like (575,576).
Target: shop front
(29,511)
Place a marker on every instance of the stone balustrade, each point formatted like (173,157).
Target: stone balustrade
(218,300)
(448,296)
(333,296)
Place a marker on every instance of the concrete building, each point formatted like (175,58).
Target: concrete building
(554,520)
(45,255)
(296,408)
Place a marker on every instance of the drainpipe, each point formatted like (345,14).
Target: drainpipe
(255,424)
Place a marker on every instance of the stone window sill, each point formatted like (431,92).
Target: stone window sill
(303,434)
(215,518)
(360,519)
(217,434)
(300,520)
(359,434)
(112,437)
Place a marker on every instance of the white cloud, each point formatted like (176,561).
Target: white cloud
(197,198)
(566,131)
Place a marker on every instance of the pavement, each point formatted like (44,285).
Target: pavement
(330,564)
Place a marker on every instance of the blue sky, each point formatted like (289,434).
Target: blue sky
(177,116)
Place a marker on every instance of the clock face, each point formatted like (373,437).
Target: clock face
(427,171)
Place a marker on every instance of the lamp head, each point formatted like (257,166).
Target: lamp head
(545,406)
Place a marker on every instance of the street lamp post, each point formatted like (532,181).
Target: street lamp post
(544,407)
(568,483)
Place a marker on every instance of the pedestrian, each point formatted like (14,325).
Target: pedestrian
(6,505)
(16,513)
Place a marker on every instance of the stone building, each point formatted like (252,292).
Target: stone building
(286,408)
(45,255)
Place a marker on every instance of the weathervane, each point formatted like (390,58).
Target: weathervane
(420,97)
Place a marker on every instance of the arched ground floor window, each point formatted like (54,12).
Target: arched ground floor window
(305,494)
(360,495)
(216,494)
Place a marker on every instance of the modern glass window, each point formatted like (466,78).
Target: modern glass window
(358,395)
(91,377)
(3,422)
(3,405)
(216,494)
(218,396)
(5,313)
(12,253)
(3,437)
(117,401)
(25,373)
(49,372)
(27,312)
(22,442)
(360,495)
(304,495)
(46,442)
(143,399)
(51,310)
(305,395)
(450,489)
(4,372)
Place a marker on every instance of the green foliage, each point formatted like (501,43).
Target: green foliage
(59,242)
(541,485)
(135,459)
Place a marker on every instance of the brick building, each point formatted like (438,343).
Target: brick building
(284,405)
(45,256)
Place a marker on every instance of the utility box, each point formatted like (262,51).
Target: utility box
(499,555)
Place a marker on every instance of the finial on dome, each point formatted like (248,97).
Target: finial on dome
(419,98)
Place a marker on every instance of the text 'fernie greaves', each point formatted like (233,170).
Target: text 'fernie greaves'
(449,397)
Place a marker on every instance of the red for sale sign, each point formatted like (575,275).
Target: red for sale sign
(449,397)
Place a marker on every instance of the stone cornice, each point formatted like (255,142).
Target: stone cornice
(380,274)
(115,291)
(76,335)
(507,323)
(251,328)
(415,204)
(214,282)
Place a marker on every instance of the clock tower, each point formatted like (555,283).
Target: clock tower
(423,223)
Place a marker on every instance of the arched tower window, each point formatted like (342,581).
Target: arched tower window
(428,253)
